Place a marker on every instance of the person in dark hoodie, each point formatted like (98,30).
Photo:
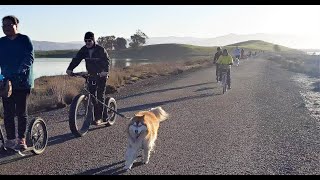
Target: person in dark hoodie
(16,62)
(215,59)
(97,63)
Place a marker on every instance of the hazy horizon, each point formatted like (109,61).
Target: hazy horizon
(68,23)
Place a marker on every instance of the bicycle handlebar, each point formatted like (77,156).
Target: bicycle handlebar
(84,74)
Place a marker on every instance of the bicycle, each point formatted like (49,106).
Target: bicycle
(224,74)
(237,61)
(81,112)
(36,139)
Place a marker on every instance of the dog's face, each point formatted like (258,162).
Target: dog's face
(137,127)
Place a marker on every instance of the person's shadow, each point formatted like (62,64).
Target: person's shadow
(163,90)
(155,104)
(9,156)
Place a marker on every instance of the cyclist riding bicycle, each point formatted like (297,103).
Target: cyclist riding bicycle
(215,59)
(98,64)
(237,52)
(225,61)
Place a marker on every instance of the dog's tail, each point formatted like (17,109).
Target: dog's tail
(160,113)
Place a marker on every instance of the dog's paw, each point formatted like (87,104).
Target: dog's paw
(145,161)
(127,168)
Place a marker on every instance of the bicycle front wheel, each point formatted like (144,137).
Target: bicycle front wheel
(109,114)
(38,135)
(80,115)
(2,139)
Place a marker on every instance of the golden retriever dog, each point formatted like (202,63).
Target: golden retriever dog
(142,133)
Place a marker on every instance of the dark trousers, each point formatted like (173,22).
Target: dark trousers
(98,87)
(16,105)
(217,72)
(228,77)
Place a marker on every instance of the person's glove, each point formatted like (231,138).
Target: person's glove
(69,72)
(104,74)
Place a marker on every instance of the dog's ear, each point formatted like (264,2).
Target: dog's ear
(141,116)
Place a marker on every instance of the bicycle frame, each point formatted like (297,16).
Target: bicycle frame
(89,105)
(85,100)
(224,74)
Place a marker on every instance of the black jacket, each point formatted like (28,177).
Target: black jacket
(99,61)
(216,56)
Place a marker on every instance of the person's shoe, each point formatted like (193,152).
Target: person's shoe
(11,144)
(98,122)
(229,87)
(22,144)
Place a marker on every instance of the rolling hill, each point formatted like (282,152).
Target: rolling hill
(173,51)
(296,42)
(50,46)
(281,39)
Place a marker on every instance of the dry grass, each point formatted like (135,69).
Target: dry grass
(300,63)
(51,92)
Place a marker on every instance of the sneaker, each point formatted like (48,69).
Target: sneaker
(229,87)
(98,122)
(22,143)
(11,144)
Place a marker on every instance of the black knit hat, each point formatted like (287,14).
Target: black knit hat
(89,35)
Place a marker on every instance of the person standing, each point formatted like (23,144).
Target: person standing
(16,63)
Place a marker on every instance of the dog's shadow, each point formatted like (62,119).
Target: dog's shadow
(116,168)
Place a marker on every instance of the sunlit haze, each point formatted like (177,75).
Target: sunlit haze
(67,23)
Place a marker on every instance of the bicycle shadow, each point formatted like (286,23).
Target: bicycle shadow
(155,104)
(116,168)
(60,139)
(69,136)
(163,90)
(205,88)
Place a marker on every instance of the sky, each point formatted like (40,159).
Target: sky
(65,23)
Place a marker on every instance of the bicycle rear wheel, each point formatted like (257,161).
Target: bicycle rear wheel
(80,115)
(38,135)
(108,114)
(224,83)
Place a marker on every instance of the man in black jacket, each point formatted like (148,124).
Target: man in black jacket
(97,64)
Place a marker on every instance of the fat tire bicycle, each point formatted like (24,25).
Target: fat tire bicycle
(81,112)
